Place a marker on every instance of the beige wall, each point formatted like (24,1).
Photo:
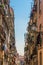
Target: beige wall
(40,50)
(40,21)
(40,16)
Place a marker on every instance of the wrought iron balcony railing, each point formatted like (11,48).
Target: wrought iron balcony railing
(3,9)
(26,48)
(2,33)
(6,2)
(35,8)
(31,15)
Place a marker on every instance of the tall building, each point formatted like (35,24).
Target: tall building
(7,33)
(34,35)
(40,30)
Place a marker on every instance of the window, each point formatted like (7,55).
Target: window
(40,27)
(40,58)
(39,39)
(39,7)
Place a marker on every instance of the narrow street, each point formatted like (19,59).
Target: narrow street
(21,38)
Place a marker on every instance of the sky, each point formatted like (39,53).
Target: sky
(22,9)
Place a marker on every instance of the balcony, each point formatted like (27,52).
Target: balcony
(34,26)
(35,8)
(26,48)
(2,9)
(2,34)
(6,2)
(33,55)
(35,51)
(29,28)
(31,15)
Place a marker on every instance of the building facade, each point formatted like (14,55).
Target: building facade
(7,33)
(34,36)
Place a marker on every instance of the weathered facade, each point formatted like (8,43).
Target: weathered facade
(34,35)
(7,33)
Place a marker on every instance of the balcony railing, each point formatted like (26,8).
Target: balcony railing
(35,8)
(3,9)
(31,15)
(2,34)
(26,48)
(35,51)
(6,2)
(34,28)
